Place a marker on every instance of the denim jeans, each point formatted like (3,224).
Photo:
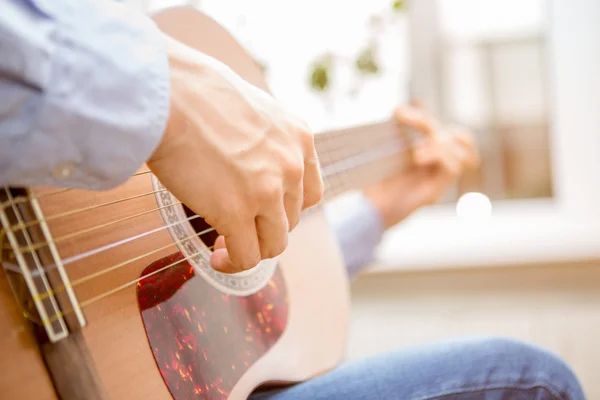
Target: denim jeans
(469,369)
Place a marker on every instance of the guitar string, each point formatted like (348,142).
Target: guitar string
(24,199)
(86,278)
(331,136)
(119,265)
(39,267)
(328,171)
(58,239)
(29,224)
(115,290)
(81,256)
(122,264)
(121,287)
(34,222)
(110,246)
(328,137)
(333,169)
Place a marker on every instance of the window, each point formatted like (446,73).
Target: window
(557,222)
(521,74)
(490,66)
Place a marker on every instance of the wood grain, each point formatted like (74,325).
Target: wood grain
(22,371)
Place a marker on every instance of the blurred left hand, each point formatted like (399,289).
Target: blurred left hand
(443,155)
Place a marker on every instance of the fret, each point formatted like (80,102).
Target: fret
(36,281)
(57,261)
(32,273)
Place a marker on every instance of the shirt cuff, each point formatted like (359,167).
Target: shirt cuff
(106,100)
(359,228)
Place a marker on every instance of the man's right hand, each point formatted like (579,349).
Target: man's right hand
(236,158)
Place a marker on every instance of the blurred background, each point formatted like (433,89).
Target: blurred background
(481,64)
(523,75)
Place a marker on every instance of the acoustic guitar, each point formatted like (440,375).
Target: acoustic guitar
(110,295)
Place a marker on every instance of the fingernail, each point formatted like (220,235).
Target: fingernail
(220,261)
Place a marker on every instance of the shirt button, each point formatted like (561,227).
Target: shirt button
(63,171)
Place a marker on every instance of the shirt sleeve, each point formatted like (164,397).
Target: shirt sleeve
(358,227)
(84,92)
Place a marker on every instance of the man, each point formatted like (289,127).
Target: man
(90,90)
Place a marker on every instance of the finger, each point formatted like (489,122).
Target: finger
(467,148)
(220,261)
(441,153)
(463,137)
(292,202)
(272,231)
(293,197)
(454,145)
(241,251)
(451,159)
(427,153)
(416,103)
(219,243)
(313,186)
(414,118)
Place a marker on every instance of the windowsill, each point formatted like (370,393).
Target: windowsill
(519,233)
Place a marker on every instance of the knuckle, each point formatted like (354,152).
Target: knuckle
(249,262)
(294,170)
(314,196)
(219,221)
(277,248)
(307,138)
(235,212)
(230,217)
(293,222)
(270,191)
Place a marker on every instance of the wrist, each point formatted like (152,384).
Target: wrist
(183,71)
(389,211)
(378,204)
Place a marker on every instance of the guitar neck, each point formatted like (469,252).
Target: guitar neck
(355,157)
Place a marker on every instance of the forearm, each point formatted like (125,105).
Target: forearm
(358,230)
(84,92)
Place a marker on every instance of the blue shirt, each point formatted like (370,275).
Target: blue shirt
(84,101)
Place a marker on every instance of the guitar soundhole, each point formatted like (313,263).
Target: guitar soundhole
(199,225)
(203,340)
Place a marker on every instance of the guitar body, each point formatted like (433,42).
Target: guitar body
(159,322)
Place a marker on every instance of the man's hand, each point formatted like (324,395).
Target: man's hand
(437,161)
(236,158)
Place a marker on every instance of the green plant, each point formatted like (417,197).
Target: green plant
(365,63)
(399,5)
(319,77)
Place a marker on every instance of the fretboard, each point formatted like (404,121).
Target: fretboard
(355,157)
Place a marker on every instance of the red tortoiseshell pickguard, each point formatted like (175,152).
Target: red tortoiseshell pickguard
(202,339)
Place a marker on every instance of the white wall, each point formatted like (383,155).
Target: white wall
(289,35)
